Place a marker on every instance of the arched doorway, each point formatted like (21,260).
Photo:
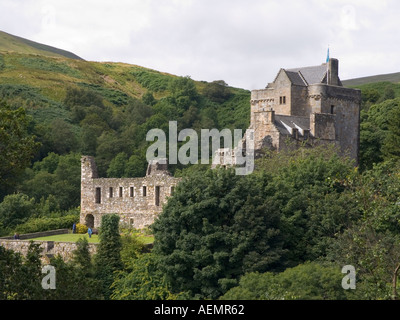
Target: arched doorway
(89,221)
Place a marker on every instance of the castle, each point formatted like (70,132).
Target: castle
(136,200)
(302,107)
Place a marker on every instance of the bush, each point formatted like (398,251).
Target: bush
(46,224)
(81,228)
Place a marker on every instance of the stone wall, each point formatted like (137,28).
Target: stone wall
(49,248)
(137,200)
(38,234)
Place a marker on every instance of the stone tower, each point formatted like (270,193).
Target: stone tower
(307,106)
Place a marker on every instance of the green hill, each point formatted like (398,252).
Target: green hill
(11,43)
(106,108)
(390,77)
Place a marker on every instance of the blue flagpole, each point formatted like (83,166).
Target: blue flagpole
(327,67)
(327,56)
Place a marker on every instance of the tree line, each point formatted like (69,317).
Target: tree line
(283,232)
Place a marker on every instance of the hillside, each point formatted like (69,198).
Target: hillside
(105,108)
(11,43)
(390,77)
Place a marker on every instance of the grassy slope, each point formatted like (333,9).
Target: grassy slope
(49,78)
(390,77)
(11,43)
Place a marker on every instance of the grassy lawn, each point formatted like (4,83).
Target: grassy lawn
(70,237)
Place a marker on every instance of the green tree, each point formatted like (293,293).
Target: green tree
(391,144)
(61,137)
(117,166)
(371,243)
(17,146)
(149,99)
(217,91)
(144,281)
(20,277)
(310,190)
(56,176)
(108,256)
(75,279)
(378,132)
(136,165)
(16,209)
(216,227)
(308,281)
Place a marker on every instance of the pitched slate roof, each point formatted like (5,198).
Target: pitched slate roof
(296,78)
(308,75)
(286,123)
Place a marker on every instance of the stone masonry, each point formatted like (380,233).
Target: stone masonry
(305,107)
(49,248)
(138,201)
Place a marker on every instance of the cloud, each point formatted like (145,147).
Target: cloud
(242,42)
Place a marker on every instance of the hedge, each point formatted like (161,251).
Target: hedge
(46,224)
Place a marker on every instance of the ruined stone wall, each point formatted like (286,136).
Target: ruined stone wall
(266,135)
(49,248)
(137,200)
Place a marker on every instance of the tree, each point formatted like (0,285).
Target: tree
(378,133)
(308,281)
(108,256)
(310,190)
(16,209)
(371,243)
(217,91)
(391,145)
(20,277)
(216,227)
(17,146)
(117,166)
(75,279)
(61,137)
(56,176)
(144,281)
(149,99)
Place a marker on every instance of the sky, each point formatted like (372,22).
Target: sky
(244,43)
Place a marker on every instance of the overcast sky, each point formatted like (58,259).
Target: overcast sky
(244,43)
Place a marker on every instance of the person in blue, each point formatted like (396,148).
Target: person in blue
(74,228)
(90,232)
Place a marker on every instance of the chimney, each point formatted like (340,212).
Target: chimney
(333,72)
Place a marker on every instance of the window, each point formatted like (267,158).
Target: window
(131,192)
(131,221)
(172,190)
(111,192)
(332,109)
(282,100)
(144,191)
(157,195)
(98,195)
(120,192)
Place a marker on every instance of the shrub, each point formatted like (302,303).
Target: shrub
(46,224)
(81,228)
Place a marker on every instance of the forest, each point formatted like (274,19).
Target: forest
(283,232)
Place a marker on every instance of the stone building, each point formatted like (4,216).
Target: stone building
(305,106)
(136,200)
